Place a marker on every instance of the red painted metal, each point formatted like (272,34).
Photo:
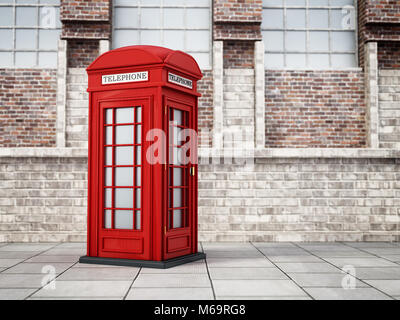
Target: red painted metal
(154,236)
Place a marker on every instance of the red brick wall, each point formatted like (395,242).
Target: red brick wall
(382,11)
(92,10)
(86,31)
(28,107)
(389,55)
(238,10)
(205,115)
(317,109)
(238,54)
(82,53)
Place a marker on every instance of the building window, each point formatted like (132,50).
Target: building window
(29,33)
(309,34)
(175,24)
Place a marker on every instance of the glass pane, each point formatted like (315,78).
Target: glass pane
(198,40)
(107,219)
(343,41)
(124,115)
(127,2)
(138,199)
(274,60)
(339,3)
(138,114)
(48,59)
(296,61)
(151,18)
(124,177)
(123,219)
(122,38)
(272,19)
(198,18)
(296,18)
(25,59)
(6,36)
(177,219)
(175,156)
(123,198)
(138,177)
(150,37)
(320,61)
(177,176)
(108,156)
(273,3)
(318,3)
(124,135)
(109,116)
(173,18)
(137,220)
(50,1)
(107,198)
(48,39)
(126,18)
(108,132)
(48,17)
(138,134)
(319,41)
(295,2)
(174,39)
(273,40)
(124,156)
(336,19)
(202,58)
(6,17)
(138,155)
(175,136)
(296,41)
(26,16)
(6,59)
(25,39)
(178,201)
(108,177)
(178,117)
(318,19)
(27,1)
(343,60)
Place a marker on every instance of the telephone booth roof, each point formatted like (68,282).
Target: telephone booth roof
(134,56)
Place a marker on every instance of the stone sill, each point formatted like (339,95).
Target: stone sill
(208,152)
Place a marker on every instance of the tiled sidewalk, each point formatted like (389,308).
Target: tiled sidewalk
(232,271)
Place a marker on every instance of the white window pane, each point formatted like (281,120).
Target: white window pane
(123,38)
(273,40)
(177,218)
(138,134)
(198,18)
(108,177)
(123,197)
(178,114)
(174,18)
(339,3)
(26,16)
(178,201)
(343,41)
(50,1)
(273,3)
(151,37)
(174,39)
(6,36)
(171,3)
(296,18)
(177,176)
(126,2)
(109,135)
(296,41)
(138,114)
(124,177)
(48,39)
(107,219)
(138,177)
(48,17)
(151,18)
(198,40)
(319,61)
(274,60)
(6,17)
(295,2)
(343,60)
(25,59)
(318,3)
(318,19)
(202,59)
(272,19)
(319,41)
(137,220)
(138,155)
(124,135)
(6,59)
(123,156)
(138,199)
(109,116)
(48,59)
(126,18)
(107,198)
(123,219)
(108,156)
(124,115)
(6,1)
(150,2)
(296,61)
(27,1)
(58,19)
(337,19)
(198,3)
(25,39)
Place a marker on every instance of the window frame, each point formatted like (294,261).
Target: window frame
(307,52)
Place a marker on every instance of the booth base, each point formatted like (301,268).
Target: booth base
(144,263)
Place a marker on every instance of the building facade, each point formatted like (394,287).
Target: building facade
(311,88)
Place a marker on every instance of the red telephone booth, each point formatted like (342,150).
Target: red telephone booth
(142,190)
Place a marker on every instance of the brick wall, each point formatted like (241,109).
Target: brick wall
(27,107)
(300,200)
(389,55)
(315,109)
(91,10)
(43,199)
(382,11)
(238,54)
(205,113)
(82,53)
(237,10)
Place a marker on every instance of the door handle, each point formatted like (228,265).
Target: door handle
(192,171)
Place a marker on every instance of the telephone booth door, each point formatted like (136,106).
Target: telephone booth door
(180,193)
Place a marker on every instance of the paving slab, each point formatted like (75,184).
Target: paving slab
(78,289)
(390,287)
(76,298)
(306,267)
(307,258)
(383,251)
(6,263)
(233,254)
(340,254)
(27,246)
(193,267)
(361,262)
(333,280)
(72,245)
(377,273)
(371,244)
(99,274)
(170,293)
(264,298)
(65,252)
(15,294)
(391,257)
(254,288)
(238,262)
(275,245)
(53,258)
(343,294)
(17,254)
(21,280)
(283,252)
(246,273)
(172,281)
(91,265)
(39,268)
